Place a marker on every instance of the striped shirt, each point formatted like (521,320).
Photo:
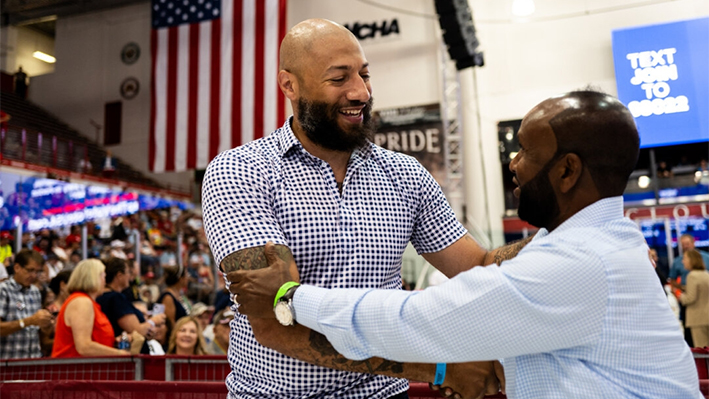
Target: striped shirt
(272,189)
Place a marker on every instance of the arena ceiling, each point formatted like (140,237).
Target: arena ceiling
(41,14)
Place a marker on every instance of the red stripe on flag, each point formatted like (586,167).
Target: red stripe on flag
(280,98)
(214,90)
(172,49)
(236,73)
(151,143)
(260,43)
(193,97)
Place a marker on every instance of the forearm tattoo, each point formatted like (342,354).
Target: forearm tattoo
(252,259)
(331,358)
(510,251)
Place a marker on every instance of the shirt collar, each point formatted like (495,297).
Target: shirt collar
(288,141)
(600,212)
(16,286)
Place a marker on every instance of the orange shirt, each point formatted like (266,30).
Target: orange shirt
(64,337)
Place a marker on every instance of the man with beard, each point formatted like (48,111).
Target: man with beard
(577,314)
(345,208)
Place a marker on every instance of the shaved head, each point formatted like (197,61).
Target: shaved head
(325,75)
(599,129)
(575,149)
(310,36)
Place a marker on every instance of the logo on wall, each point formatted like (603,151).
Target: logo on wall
(130,88)
(364,31)
(130,53)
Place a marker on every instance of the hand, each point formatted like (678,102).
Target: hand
(42,318)
(255,290)
(472,380)
(158,318)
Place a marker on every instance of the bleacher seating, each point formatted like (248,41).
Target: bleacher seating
(26,115)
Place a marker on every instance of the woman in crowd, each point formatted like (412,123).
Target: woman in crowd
(696,298)
(119,310)
(58,286)
(186,338)
(176,304)
(82,328)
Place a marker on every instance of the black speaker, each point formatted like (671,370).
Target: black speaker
(456,22)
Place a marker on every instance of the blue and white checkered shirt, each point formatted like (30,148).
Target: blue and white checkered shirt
(17,302)
(272,189)
(577,314)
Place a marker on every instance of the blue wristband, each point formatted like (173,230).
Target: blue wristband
(440,374)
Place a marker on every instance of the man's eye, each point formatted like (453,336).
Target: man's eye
(338,80)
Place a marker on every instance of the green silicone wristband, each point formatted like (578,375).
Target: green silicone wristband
(282,291)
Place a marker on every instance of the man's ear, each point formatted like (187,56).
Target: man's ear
(571,171)
(288,84)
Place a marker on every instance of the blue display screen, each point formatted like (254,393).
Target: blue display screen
(40,203)
(662,75)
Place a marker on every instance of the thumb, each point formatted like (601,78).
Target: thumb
(270,252)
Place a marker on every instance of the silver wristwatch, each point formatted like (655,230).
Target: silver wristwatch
(285,313)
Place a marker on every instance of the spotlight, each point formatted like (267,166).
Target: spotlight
(643,181)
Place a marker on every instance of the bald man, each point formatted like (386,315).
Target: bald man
(345,208)
(577,314)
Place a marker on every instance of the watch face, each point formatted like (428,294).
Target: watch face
(284,313)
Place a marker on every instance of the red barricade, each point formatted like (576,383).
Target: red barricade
(701,356)
(113,389)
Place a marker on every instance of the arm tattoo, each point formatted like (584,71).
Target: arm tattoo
(510,251)
(252,259)
(323,347)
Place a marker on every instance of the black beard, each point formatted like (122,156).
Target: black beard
(538,205)
(319,122)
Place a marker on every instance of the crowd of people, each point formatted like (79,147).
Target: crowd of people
(138,290)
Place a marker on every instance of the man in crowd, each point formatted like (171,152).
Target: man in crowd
(577,314)
(23,322)
(678,272)
(220,344)
(346,209)
(687,242)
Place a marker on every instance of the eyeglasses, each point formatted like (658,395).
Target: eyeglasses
(32,271)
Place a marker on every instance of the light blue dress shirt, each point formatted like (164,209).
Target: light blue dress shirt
(577,314)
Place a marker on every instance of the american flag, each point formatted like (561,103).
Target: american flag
(215,64)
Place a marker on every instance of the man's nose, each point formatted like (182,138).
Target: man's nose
(360,90)
(513,165)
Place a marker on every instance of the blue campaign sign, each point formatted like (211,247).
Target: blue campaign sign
(662,75)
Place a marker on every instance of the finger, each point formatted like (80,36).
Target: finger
(433,387)
(236,276)
(271,254)
(500,373)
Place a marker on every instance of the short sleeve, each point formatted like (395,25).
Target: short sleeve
(237,202)
(436,226)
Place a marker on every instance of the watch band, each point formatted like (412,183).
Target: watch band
(22,323)
(283,290)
